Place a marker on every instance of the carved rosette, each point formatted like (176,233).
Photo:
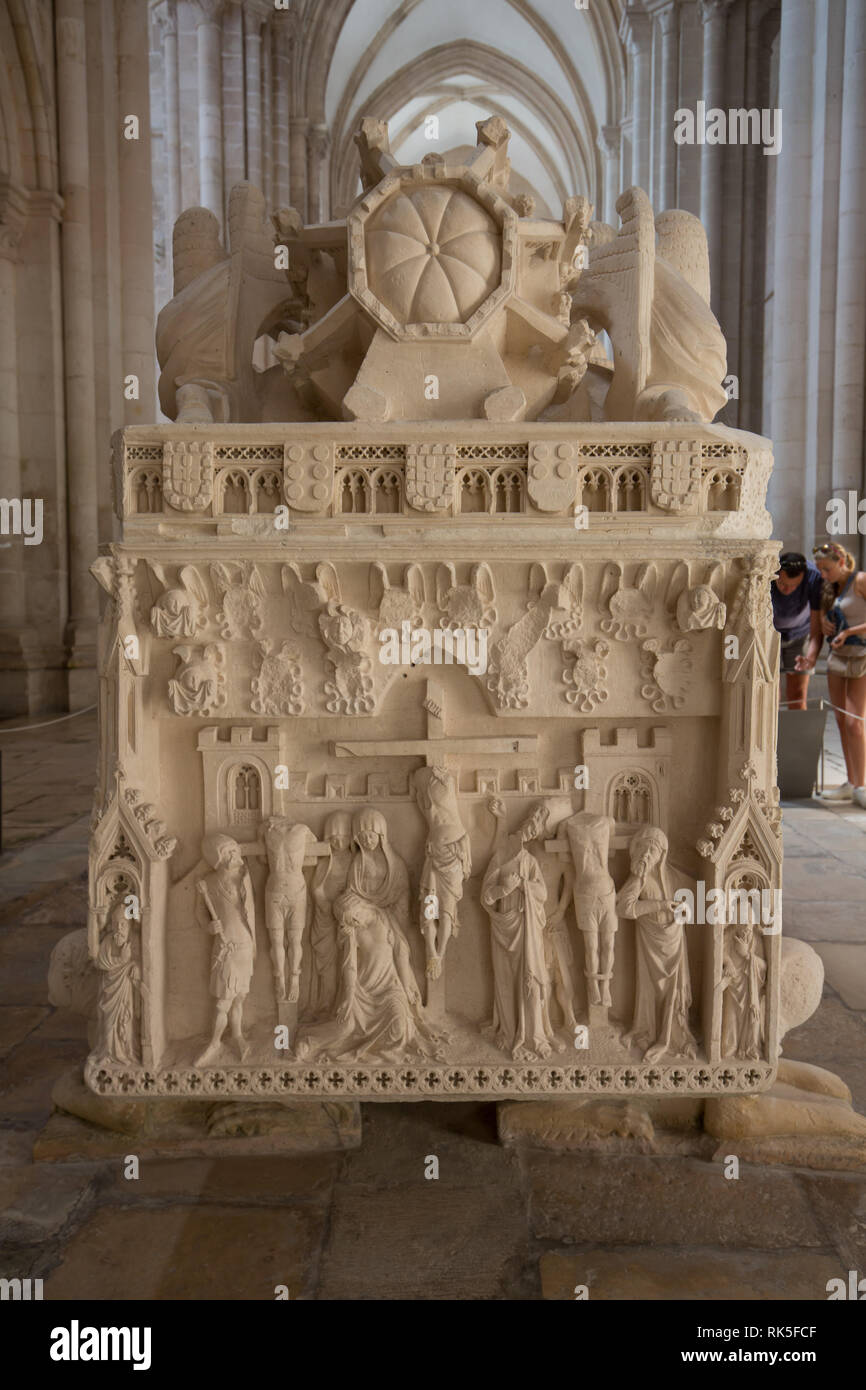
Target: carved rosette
(667,674)
(586,677)
(278,687)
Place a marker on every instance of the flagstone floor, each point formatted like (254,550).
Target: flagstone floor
(368,1224)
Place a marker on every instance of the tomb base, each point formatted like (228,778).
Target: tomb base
(805,1120)
(86,1126)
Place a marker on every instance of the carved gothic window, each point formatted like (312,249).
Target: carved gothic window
(235,493)
(594,489)
(630,490)
(387,492)
(508,490)
(267,491)
(246,790)
(474,490)
(631,799)
(723,490)
(147,490)
(355,492)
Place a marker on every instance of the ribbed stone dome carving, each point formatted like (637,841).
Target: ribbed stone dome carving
(433,255)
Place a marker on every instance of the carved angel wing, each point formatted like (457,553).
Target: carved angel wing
(481,578)
(192,580)
(255,582)
(537,582)
(616,292)
(610,582)
(103,572)
(413,578)
(379,583)
(572,582)
(715,579)
(679,581)
(328,581)
(645,580)
(223,576)
(445,582)
(682,242)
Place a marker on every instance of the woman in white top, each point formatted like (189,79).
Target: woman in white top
(844,624)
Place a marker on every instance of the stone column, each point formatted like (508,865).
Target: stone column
(850,345)
(714,17)
(636,32)
(282,81)
(667,179)
(253,69)
(166,18)
(210,131)
(81,443)
(298,164)
(792,359)
(609,140)
(268,114)
(13,215)
(318,144)
(234,144)
(135,213)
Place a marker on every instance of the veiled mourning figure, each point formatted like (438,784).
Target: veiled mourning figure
(514,894)
(744,971)
(377,874)
(662,986)
(119,980)
(379,1015)
(329,881)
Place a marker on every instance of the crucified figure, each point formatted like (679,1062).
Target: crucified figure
(447,862)
(286,901)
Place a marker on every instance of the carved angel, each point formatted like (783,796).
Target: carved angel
(466,605)
(396,604)
(198,687)
(697,607)
(630,606)
(179,611)
(309,597)
(242,589)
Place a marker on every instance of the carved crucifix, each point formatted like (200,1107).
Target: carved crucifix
(447,862)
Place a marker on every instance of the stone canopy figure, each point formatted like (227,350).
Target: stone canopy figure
(514,894)
(119,980)
(662,986)
(227,894)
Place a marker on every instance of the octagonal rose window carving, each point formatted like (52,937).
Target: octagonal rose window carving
(434,255)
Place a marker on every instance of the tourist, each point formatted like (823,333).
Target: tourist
(796,593)
(844,624)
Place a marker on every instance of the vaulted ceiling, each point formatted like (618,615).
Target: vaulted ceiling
(555,72)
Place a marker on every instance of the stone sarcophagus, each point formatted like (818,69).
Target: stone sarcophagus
(438,746)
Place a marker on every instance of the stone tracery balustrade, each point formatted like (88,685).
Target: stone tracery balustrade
(359,478)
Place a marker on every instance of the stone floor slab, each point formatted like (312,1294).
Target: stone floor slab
(705,1275)
(226,1253)
(845,969)
(666,1201)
